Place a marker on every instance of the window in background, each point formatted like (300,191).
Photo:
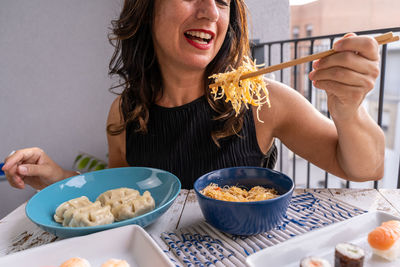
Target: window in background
(296,32)
(309,30)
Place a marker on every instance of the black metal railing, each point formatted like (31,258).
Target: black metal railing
(294,48)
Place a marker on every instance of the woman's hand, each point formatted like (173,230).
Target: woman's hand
(347,76)
(32,166)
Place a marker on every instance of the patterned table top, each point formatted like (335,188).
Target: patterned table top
(183,222)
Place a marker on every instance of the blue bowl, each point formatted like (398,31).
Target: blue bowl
(163,186)
(245,218)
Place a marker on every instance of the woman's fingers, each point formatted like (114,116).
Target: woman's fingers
(16,181)
(14,178)
(33,167)
(365,46)
(351,73)
(351,61)
(34,170)
(345,93)
(343,76)
(30,155)
(14,171)
(11,174)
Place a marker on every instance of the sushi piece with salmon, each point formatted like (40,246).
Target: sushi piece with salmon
(385,240)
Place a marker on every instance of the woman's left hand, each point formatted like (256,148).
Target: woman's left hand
(347,76)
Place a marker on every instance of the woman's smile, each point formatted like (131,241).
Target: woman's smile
(201,39)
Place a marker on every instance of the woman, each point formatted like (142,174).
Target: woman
(166,117)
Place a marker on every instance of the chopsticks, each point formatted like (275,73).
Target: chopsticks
(382,39)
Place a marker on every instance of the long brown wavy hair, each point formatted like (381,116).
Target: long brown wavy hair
(134,61)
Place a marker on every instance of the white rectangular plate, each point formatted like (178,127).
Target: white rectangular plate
(130,243)
(322,242)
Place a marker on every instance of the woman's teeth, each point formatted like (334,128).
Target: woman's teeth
(200,41)
(199,37)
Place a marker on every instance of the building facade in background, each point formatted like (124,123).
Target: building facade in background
(336,16)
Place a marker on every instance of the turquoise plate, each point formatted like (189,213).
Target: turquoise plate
(163,186)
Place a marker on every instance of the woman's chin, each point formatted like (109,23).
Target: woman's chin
(197,64)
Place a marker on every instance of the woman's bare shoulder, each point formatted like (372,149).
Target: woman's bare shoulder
(114,114)
(116,142)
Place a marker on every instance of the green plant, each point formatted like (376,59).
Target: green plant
(85,163)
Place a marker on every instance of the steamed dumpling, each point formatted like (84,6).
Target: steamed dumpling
(112,205)
(127,203)
(133,207)
(89,215)
(81,212)
(70,204)
(120,195)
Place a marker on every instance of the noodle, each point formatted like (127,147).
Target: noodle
(251,91)
(236,194)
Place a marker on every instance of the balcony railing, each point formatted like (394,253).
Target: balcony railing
(297,77)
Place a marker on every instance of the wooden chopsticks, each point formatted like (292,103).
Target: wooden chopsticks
(382,39)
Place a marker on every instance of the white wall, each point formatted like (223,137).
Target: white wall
(54,58)
(54,84)
(269,19)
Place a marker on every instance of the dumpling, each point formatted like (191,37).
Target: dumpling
(120,195)
(89,215)
(127,203)
(115,263)
(144,204)
(112,205)
(133,207)
(81,212)
(70,204)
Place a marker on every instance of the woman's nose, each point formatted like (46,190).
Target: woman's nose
(208,9)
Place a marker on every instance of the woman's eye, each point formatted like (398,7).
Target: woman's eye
(222,2)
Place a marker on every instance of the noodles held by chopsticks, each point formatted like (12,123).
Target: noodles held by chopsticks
(236,194)
(251,91)
(246,84)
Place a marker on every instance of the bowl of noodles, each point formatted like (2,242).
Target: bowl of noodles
(244,200)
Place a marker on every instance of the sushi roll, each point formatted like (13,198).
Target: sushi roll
(385,240)
(314,262)
(349,255)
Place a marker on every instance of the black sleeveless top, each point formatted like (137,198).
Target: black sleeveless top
(179,141)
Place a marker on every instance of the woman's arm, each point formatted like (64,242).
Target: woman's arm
(116,143)
(351,145)
(347,77)
(356,154)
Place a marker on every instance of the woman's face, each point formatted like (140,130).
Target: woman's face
(189,33)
